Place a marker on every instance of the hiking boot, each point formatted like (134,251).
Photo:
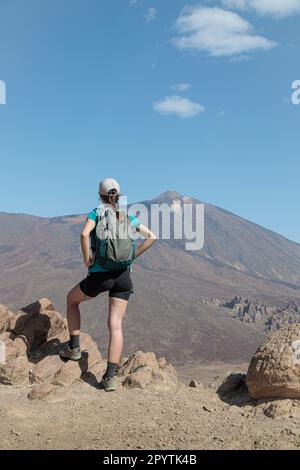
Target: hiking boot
(67,353)
(108,384)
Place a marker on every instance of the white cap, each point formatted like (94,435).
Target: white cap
(107,184)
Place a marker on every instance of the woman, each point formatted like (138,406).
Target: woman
(99,279)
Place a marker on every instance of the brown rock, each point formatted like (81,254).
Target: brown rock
(274,370)
(90,351)
(231,384)
(15,347)
(5,316)
(39,306)
(41,391)
(195,384)
(143,370)
(52,372)
(140,378)
(71,370)
(6,336)
(163,380)
(171,371)
(46,369)
(136,360)
(15,372)
(32,341)
(58,325)
(38,322)
(162,362)
(5,339)
(282,409)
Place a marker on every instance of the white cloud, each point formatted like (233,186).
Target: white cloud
(180,87)
(276,7)
(279,8)
(217,31)
(151,14)
(239,4)
(181,107)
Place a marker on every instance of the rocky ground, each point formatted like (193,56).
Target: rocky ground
(47,403)
(185,418)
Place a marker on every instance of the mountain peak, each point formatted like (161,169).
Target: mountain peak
(169,193)
(169,196)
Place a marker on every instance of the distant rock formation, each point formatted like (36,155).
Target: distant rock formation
(211,302)
(282,317)
(274,370)
(271,318)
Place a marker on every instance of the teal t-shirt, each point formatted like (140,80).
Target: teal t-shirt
(97,268)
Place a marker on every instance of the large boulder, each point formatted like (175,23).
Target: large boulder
(144,370)
(31,340)
(274,370)
(38,322)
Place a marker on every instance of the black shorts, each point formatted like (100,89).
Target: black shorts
(118,283)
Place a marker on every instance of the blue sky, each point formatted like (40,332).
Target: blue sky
(159,94)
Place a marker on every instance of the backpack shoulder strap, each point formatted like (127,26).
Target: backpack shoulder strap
(93,233)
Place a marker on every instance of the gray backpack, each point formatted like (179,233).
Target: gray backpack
(112,240)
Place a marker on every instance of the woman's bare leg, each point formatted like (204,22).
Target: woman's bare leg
(117,309)
(74,298)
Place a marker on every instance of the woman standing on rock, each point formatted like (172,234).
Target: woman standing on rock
(108,232)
